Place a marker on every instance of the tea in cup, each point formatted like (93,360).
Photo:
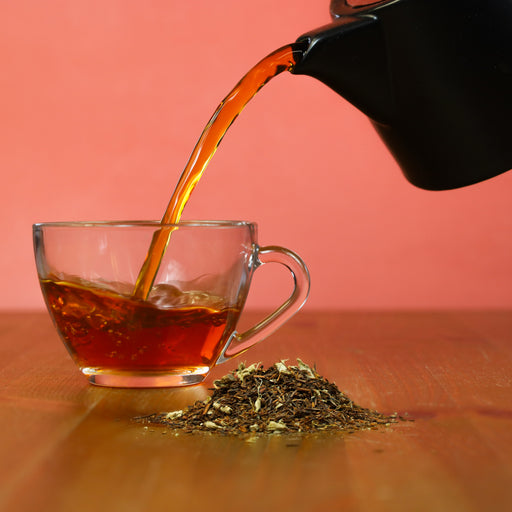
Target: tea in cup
(88,272)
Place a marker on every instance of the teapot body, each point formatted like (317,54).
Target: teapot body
(434,77)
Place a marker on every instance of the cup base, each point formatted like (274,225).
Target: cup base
(147,380)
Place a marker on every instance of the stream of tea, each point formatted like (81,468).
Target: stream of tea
(278,61)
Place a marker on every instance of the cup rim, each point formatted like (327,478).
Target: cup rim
(146,223)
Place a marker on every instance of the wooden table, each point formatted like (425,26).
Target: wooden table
(70,446)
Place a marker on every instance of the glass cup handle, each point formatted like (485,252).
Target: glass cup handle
(240,342)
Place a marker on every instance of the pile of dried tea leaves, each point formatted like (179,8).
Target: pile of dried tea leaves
(279,399)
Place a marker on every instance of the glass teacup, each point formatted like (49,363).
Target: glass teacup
(186,324)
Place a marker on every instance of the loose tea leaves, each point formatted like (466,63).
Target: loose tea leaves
(279,399)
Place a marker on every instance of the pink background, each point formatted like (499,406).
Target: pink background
(102,102)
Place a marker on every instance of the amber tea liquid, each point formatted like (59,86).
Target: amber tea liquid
(106,331)
(281,60)
(110,331)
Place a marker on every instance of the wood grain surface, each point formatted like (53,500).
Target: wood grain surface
(69,446)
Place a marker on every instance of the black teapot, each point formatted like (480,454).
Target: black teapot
(433,76)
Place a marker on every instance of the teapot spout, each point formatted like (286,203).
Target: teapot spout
(434,77)
(349,56)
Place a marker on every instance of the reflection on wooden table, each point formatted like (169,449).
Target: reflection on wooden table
(66,445)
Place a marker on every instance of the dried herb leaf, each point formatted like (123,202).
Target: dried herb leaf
(276,400)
